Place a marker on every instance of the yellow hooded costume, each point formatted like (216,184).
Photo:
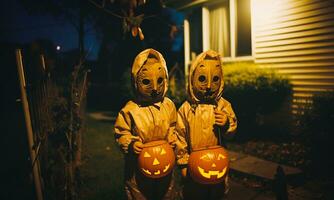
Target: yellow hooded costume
(196,120)
(141,120)
(196,129)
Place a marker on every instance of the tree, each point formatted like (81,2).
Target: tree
(76,12)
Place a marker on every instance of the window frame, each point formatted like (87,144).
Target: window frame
(233,32)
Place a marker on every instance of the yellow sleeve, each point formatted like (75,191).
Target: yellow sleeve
(233,123)
(182,154)
(171,136)
(122,129)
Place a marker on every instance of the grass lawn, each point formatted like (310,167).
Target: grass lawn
(102,163)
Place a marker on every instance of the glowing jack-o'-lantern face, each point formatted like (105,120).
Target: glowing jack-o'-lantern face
(156,160)
(208,166)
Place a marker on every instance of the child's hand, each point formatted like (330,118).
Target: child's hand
(124,142)
(184,172)
(172,140)
(220,118)
(137,147)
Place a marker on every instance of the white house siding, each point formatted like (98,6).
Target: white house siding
(296,37)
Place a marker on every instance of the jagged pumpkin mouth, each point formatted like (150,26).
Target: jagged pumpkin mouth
(207,174)
(158,172)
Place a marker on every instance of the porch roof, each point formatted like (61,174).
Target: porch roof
(184,4)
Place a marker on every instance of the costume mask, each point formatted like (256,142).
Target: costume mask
(151,81)
(206,79)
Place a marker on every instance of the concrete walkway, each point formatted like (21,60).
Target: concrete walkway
(251,166)
(241,192)
(257,167)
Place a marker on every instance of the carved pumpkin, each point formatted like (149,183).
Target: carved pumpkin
(209,165)
(157,159)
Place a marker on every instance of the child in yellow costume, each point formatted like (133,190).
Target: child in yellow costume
(202,120)
(149,117)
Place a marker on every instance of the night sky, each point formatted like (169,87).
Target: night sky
(17,26)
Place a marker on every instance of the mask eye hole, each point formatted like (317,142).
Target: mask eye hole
(145,81)
(215,78)
(201,78)
(160,79)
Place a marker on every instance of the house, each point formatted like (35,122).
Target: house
(296,37)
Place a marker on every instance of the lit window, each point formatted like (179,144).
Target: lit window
(219,16)
(220,25)
(230,27)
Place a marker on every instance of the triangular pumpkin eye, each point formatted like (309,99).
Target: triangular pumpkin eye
(163,152)
(204,157)
(147,155)
(220,156)
(207,156)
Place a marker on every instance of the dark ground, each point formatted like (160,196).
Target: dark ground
(102,166)
(102,172)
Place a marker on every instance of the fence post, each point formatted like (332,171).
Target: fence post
(25,104)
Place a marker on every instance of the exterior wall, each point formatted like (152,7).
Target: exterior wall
(296,37)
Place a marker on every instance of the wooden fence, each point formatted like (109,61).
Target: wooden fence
(54,116)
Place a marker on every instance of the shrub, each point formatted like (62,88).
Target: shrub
(254,91)
(318,127)
(177,90)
